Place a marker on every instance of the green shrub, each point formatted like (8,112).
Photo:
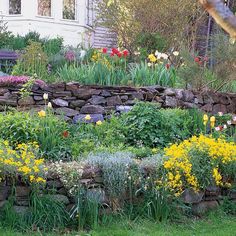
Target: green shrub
(33,61)
(5,35)
(148,125)
(52,46)
(47,131)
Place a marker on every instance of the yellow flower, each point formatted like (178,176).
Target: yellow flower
(99,122)
(87,117)
(31,178)
(205,119)
(42,113)
(152,58)
(212,121)
(40,180)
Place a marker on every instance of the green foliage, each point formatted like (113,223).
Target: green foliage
(148,125)
(5,35)
(44,213)
(33,61)
(115,168)
(47,131)
(87,210)
(150,42)
(52,46)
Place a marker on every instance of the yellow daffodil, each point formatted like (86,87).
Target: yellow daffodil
(99,122)
(42,113)
(205,119)
(87,117)
(212,121)
(152,58)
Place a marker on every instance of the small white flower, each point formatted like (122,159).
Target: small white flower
(82,54)
(220,113)
(176,53)
(45,96)
(149,64)
(158,55)
(229,122)
(217,128)
(234,118)
(164,56)
(225,126)
(50,105)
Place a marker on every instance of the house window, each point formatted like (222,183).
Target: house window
(44,7)
(14,7)
(69,9)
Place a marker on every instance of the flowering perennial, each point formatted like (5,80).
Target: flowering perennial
(181,158)
(21,161)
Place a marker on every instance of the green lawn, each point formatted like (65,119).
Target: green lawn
(212,225)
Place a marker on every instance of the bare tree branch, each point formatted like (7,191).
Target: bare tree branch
(222,15)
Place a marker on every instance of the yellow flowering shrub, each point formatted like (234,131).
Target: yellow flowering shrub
(21,161)
(199,162)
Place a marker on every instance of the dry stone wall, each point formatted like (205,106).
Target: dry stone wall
(92,181)
(74,101)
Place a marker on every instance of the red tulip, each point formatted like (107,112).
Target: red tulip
(119,54)
(125,53)
(168,66)
(115,51)
(104,50)
(112,54)
(65,134)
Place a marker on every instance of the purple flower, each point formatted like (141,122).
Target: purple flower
(15,80)
(70,56)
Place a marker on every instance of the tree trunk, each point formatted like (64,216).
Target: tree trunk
(222,15)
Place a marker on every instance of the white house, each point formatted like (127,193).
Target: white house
(71,19)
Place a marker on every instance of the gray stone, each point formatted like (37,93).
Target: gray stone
(137,95)
(169,92)
(85,93)
(60,102)
(203,207)
(60,198)
(3,91)
(130,102)
(212,191)
(188,96)
(113,101)
(54,184)
(198,99)
(66,112)
(97,100)
(224,99)
(124,98)
(3,203)
(4,192)
(105,93)
(189,105)
(207,108)
(62,94)
(58,87)
(92,109)
(219,108)
(26,101)
(94,118)
(72,86)
(22,191)
(179,93)
(123,108)
(38,98)
(171,102)
(190,196)
(77,103)
(21,210)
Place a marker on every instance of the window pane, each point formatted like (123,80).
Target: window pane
(14,7)
(44,7)
(69,9)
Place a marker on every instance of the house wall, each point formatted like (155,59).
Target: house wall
(73,31)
